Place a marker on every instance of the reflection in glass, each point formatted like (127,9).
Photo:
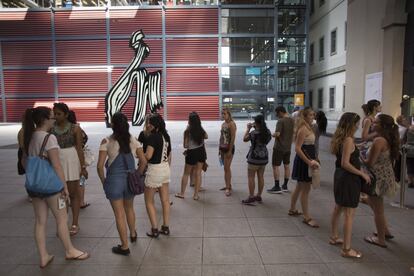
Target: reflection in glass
(247,21)
(291,21)
(287,101)
(291,2)
(291,79)
(197,2)
(247,50)
(242,78)
(249,106)
(250,2)
(291,50)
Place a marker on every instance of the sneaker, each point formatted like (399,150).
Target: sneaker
(249,200)
(118,250)
(275,190)
(284,188)
(258,199)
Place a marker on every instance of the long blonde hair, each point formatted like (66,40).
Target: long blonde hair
(346,128)
(300,120)
(228,112)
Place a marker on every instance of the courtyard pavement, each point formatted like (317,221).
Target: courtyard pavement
(216,235)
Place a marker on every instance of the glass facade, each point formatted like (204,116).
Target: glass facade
(256,43)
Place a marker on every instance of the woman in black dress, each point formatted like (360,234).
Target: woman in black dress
(347,181)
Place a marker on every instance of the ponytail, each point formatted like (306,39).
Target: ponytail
(33,117)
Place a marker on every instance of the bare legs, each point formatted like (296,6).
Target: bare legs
(276,173)
(302,189)
(40,207)
(198,168)
(227,159)
(377,205)
(75,203)
(194,172)
(188,169)
(124,213)
(165,202)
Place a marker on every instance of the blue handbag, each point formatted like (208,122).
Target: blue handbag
(41,178)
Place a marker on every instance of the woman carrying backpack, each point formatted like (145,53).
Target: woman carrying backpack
(258,156)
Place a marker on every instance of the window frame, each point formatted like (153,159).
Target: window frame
(320,98)
(331,103)
(321,48)
(312,53)
(335,30)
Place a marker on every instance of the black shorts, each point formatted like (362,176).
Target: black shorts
(194,156)
(279,156)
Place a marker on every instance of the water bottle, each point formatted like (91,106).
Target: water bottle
(82,180)
(221,161)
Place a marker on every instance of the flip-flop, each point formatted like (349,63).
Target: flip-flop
(179,196)
(223,189)
(81,257)
(308,223)
(387,237)
(335,241)
(48,262)
(201,189)
(87,204)
(372,240)
(74,229)
(294,213)
(196,197)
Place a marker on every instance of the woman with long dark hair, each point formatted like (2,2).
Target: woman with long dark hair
(257,158)
(37,122)
(227,148)
(347,181)
(69,137)
(195,155)
(157,177)
(119,151)
(370,109)
(381,156)
(305,158)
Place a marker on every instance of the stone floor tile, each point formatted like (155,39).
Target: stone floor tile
(289,250)
(226,227)
(230,251)
(233,270)
(366,269)
(298,269)
(223,211)
(161,270)
(174,251)
(273,227)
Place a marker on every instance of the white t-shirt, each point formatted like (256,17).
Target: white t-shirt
(402,130)
(37,141)
(112,148)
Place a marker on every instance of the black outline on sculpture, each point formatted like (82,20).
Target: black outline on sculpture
(148,85)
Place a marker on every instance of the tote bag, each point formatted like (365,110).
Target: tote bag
(41,178)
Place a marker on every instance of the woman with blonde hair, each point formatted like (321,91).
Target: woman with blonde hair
(305,158)
(226,148)
(347,181)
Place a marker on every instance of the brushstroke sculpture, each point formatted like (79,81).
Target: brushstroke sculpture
(148,85)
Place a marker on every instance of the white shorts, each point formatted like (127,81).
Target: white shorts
(157,174)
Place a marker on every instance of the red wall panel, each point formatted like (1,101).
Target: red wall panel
(76,22)
(24,23)
(125,22)
(90,82)
(192,21)
(87,109)
(198,50)
(1,110)
(27,53)
(192,80)
(82,52)
(28,81)
(121,53)
(16,107)
(206,106)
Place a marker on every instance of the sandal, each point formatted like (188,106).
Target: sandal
(310,222)
(165,230)
(228,192)
(74,229)
(249,201)
(87,204)
(134,238)
(351,253)
(81,257)
(387,236)
(335,241)
(374,241)
(48,262)
(179,196)
(225,188)
(154,233)
(294,213)
(196,197)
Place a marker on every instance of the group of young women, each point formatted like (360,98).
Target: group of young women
(119,151)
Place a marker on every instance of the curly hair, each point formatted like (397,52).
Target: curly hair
(346,128)
(389,131)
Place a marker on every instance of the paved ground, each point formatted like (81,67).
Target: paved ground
(214,236)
